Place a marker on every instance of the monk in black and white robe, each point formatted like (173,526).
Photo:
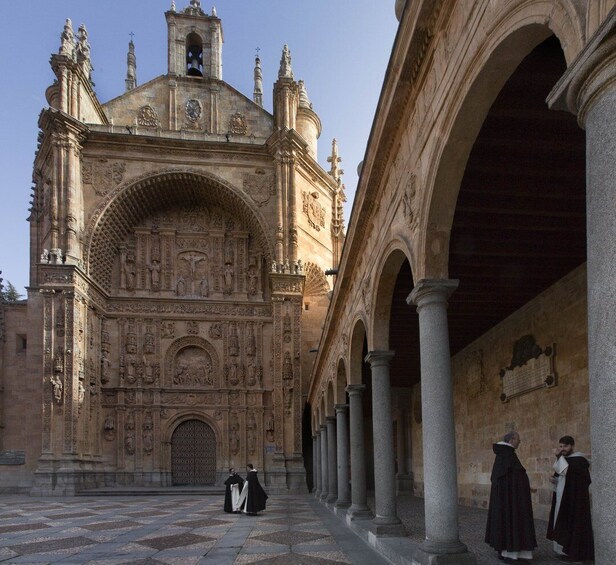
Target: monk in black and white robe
(253,496)
(233,488)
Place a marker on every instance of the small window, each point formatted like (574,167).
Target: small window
(22,343)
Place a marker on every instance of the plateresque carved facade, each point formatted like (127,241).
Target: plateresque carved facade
(172,232)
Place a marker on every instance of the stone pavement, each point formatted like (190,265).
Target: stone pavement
(186,530)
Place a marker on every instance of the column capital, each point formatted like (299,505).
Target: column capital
(324,428)
(330,419)
(379,358)
(355,389)
(589,75)
(341,408)
(427,291)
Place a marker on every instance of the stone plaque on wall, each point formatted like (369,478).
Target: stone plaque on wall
(531,368)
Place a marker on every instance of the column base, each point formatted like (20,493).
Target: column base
(323,497)
(404,483)
(342,504)
(331,499)
(358,513)
(387,527)
(435,553)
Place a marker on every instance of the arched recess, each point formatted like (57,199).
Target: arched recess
(211,375)
(329,406)
(386,277)
(356,351)
(130,204)
(184,415)
(514,37)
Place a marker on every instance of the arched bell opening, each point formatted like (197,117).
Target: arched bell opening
(194,55)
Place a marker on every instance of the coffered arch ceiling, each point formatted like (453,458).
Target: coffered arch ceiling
(129,206)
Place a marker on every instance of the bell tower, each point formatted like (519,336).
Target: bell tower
(194,42)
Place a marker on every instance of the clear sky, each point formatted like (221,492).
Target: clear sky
(340,48)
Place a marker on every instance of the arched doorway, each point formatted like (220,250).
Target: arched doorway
(193,454)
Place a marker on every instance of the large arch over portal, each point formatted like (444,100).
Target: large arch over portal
(132,203)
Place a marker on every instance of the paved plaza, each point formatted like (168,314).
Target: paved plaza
(186,530)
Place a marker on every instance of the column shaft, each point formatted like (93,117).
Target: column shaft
(342,436)
(439,449)
(386,520)
(332,460)
(324,472)
(359,507)
(318,465)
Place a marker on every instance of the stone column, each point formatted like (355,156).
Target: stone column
(588,89)
(439,446)
(342,435)
(324,472)
(314,464)
(332,460)
(359,508)
(317,465)
(386,521)
(403,478)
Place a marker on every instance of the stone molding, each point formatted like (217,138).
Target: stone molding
(428,291)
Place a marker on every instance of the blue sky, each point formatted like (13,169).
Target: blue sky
(340,48)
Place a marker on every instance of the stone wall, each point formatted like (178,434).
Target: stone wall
(556,316)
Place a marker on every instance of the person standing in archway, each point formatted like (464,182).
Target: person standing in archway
(253,496)
(233,488)
(510,529)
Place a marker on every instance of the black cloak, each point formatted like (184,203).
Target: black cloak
(234,479)
(573,528)
(510,524)
(256,495)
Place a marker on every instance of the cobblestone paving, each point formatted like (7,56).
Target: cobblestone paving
(182,530)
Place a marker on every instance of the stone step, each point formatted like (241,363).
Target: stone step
(154,491)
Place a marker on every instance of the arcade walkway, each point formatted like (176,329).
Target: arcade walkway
(190,530)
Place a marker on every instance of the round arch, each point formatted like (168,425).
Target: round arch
(341,382)
(386,276)
(356,349)
(514,34)
(133,202)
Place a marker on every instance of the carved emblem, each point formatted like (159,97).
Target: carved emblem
(259,186)
(102,175)
(316,283)
(193,110)
(237,124)
(148,117)
(313,210)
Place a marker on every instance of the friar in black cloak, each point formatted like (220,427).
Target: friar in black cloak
(233,488)
(253,496)
(510,529)
(570,526)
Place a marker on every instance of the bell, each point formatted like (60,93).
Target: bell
(194,70)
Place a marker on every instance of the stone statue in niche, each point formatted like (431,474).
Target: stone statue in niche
(251,342)
(130,271)
(58,389)
(130,369)
(81,396)
(204,287)
(154,268)
(269,427)
(234,441)
(251,434)
(233,374)
(228,278)
(148,436)
(253,280)
(234,342)
(148,341)
(251,378)
(130,343)
(109,427)
(180,287)
(129,434)
(287,367)
(105,367)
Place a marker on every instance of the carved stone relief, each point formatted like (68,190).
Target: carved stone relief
(260,186)
(313,210)
(238,124)
(103,175)
(193,368)
(147,117)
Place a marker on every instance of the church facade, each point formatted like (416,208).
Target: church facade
(179,238)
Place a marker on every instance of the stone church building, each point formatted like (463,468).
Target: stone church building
(179,238)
